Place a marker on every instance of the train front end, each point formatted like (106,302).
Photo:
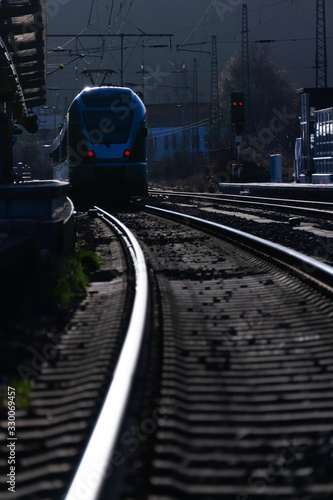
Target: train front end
(107,142)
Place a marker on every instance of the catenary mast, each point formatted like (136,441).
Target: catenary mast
(245,74)
(321,56)
(214,121)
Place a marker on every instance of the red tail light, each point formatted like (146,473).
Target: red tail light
(127,153)
(91,154)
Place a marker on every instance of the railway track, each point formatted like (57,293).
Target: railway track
(100,453)
(312,209)
(70,373)
(231,398)
(237,394)
(312,236)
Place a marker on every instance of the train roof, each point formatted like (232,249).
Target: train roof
(101,97)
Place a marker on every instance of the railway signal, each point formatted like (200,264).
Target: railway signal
(237,112)
(237,122)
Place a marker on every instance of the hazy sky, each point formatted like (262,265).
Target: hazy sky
(291,23)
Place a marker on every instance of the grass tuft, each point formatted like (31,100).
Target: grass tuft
(68,279)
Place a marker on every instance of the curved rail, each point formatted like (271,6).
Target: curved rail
(98,456)
(307,266)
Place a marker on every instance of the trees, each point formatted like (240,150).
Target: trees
(271,122)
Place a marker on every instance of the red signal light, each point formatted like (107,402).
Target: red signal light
(127,152)
(237,111)
(91,154)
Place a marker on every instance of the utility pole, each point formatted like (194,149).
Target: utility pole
(245,72)
(195,136)
(214,120)
(321,56)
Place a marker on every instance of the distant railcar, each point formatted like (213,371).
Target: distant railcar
(103,143)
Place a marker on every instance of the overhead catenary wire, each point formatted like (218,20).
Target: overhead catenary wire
(114,15)
(199,22)
(122,5)
(91,8)
(111,12)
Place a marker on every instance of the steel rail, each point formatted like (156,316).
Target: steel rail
(97,459)
(305,266)
(312,209)
(297,203)
(244,197)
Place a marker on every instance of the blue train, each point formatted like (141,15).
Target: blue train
(102,146)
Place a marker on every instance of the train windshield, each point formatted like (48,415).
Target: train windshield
(108,126)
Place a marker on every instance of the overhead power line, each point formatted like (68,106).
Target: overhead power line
(122,36)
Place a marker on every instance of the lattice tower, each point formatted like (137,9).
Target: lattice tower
(195,136)
(214,98)
(245,71)
(321,56)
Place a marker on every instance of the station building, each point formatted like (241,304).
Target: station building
(314,149)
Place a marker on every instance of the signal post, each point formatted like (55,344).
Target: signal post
(237,121)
